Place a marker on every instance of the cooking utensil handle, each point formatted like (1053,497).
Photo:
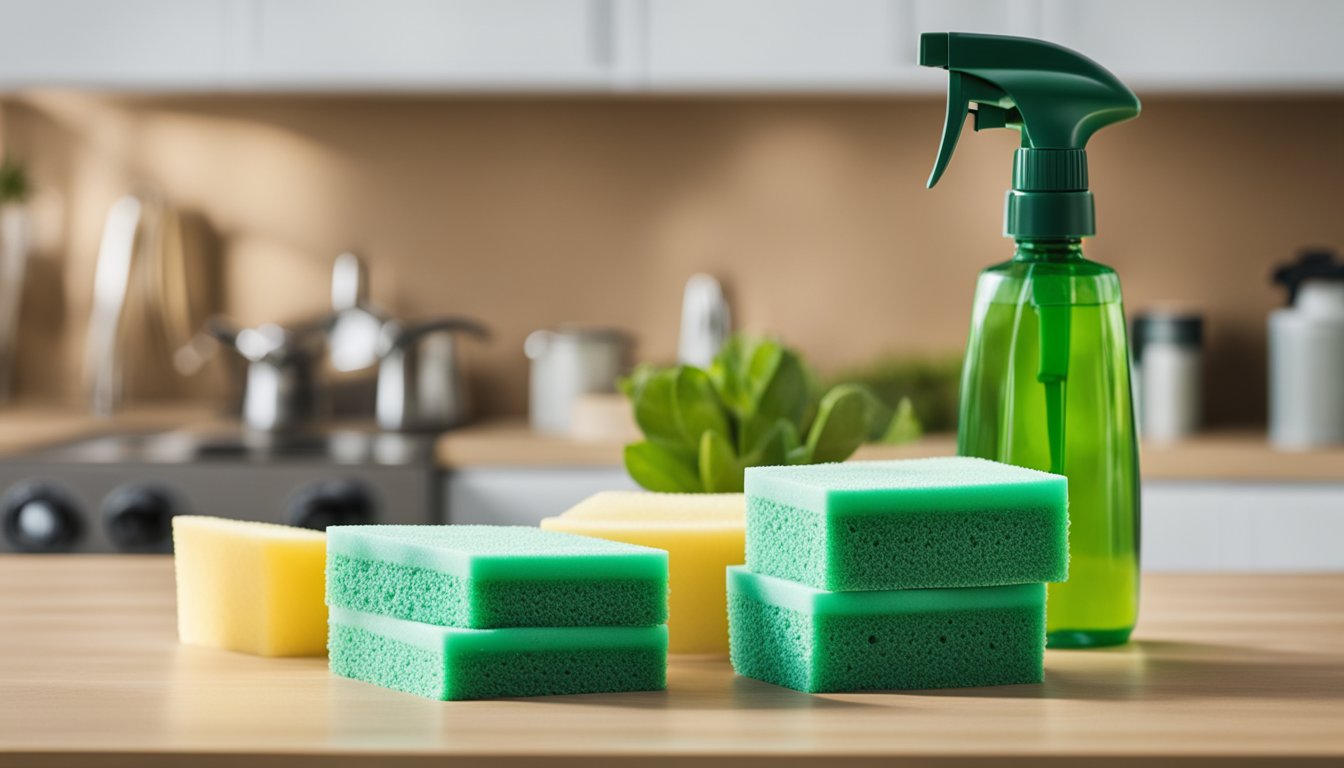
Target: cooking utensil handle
(443,324)
(349,281)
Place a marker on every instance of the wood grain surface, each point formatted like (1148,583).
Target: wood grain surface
(1224,670)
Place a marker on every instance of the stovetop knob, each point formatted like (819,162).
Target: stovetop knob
(139,518)
(332,502)
(39,517)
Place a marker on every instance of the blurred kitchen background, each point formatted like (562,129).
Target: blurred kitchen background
(515,166)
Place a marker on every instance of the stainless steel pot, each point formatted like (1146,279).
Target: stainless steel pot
(568,363)
(420,382)
(281,392)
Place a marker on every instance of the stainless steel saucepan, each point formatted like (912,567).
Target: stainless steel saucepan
(281,392)
(421,386)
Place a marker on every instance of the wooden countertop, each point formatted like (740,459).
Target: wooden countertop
(1225,669)
(1236,456)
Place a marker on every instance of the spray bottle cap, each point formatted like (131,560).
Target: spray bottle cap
(1057,98)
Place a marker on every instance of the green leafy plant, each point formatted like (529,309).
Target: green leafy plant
(758,404)
(930,382)
(14,184)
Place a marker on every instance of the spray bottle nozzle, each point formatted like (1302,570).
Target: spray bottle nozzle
(1056,97)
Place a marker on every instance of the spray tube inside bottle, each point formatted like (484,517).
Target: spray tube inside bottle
(1046,378)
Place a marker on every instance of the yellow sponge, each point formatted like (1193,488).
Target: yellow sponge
(703,534)
(250,587)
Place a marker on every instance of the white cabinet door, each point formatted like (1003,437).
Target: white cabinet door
(775,44)
(802,45)
(115,43)
(1203,45)
(473,44)
(1242,527)
(523,496)
(994,17)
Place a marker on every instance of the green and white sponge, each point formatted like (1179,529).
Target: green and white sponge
(448,663)
(480,576)
(884,525)
(793,635)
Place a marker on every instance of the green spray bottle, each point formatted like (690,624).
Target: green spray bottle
(1046,379)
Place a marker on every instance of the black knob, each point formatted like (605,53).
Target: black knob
(331,502)
(139,518)
(40,518)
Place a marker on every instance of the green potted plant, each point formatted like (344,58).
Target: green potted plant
(757,404)
(14,245)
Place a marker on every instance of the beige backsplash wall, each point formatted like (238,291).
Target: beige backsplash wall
(532,212)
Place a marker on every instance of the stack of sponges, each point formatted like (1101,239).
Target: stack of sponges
(472,612)
(895,575)
(703,534)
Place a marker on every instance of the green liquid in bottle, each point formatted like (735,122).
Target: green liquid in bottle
(1046,386)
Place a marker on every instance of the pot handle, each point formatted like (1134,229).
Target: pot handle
(396,337)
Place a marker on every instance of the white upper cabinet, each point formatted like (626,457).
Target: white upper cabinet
(113,43)
(1248,46)
(995,17)
(1207,45)
(860,45)
(473,44)
(742,46)
(356,45)
(768,44)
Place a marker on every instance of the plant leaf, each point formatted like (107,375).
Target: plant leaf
(697,408)
(904,426)
(841,425)
(762,359)
(728,372)
(656,468)
(633,384)
(781,383)
(720,471)
(931,382)
(775,448)
(753,431)
(655,410)
(15,184)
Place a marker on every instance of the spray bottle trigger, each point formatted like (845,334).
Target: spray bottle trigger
(962,91)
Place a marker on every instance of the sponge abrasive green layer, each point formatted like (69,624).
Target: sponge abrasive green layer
(485,576)
(790,635)
(433,597)
(453,664)
(946,522)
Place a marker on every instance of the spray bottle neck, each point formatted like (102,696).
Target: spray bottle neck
(1049,249)
(1049,198)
